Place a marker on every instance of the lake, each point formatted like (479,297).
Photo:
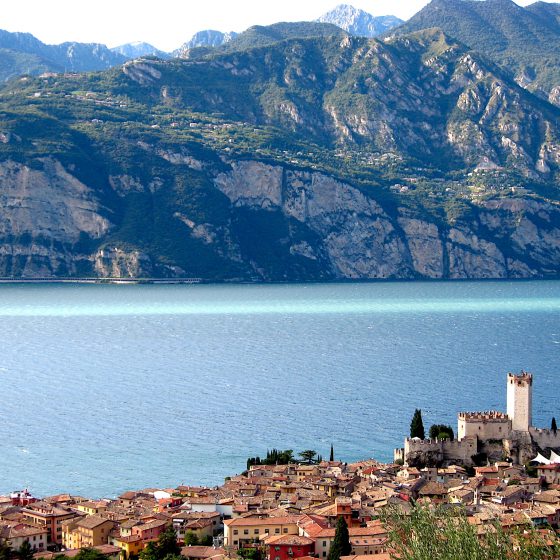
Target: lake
(106,388)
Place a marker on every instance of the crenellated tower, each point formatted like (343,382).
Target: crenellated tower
(520,401)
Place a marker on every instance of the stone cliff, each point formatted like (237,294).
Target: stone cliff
(53,224)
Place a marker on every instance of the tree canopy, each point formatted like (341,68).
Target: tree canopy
(417,425)
(308,456)
(166,547)
(429,533)
(341,542)
(441,431)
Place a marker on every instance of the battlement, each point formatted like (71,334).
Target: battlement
(523,378)
(487,416)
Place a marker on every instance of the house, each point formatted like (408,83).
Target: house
(14,535)
(245,531)
(549,473)
(288,547)
(200,523)
(150,530)
(91,508)
(50,517)
(89,531)
(130,546)
(203,553)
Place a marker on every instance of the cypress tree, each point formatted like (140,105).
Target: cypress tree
(417,425)
(553,425)
(341,542)
(331,458)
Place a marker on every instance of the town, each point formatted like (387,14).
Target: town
(282,509)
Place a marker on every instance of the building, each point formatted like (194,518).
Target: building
(50,517)
(89,531)
(14,535)
(246,531)
(289,547)
(491,434)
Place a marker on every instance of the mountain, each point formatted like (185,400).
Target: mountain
(207,38)
(261,36)
(320,158)
(548,12)
(139,49)
(524,41)
(359,23)
(22,53)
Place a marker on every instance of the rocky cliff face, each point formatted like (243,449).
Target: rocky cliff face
(510,238)
(44,213)
(331,227)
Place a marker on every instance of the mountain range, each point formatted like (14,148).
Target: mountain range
(21,53)
(292,152)
(524,41)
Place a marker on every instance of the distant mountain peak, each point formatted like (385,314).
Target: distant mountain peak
(206,38)
(358,22)
(138,49)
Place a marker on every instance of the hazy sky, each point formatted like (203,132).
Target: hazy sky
(167,24)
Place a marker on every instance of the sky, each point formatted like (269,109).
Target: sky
(167,24)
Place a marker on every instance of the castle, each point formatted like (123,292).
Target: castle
(490,435)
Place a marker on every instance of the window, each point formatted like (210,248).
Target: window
(324,554)
(285,529)
(324,543)
(245,531)
(235,542)
(235,532)
(256,531)
(276,531)
(266,531)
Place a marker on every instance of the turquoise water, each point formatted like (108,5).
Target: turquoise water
(107,388)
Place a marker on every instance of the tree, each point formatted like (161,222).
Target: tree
(90,554)
(553,425)
(5,551)
(208,540)
(191,539)
(149,552)
(441,431)
(341,542)
(308,456)
(428,533)
(167,543)
(166,547)
(25,552)
(331,458)
(250,553)
(417,425)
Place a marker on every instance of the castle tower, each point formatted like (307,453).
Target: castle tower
(520,401)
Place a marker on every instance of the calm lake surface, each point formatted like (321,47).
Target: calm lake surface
(109,388)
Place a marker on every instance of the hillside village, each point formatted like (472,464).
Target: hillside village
(286,511)
(281,509)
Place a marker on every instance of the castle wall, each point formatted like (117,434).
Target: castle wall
(460,451)
(490,425)
(423,452)
(545,438)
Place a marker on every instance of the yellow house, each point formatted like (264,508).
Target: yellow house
(130,546)
(89,531)
(244,531)
(91,508)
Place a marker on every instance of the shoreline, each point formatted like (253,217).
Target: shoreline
(202,281)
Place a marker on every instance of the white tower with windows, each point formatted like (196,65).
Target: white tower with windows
(520,401)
